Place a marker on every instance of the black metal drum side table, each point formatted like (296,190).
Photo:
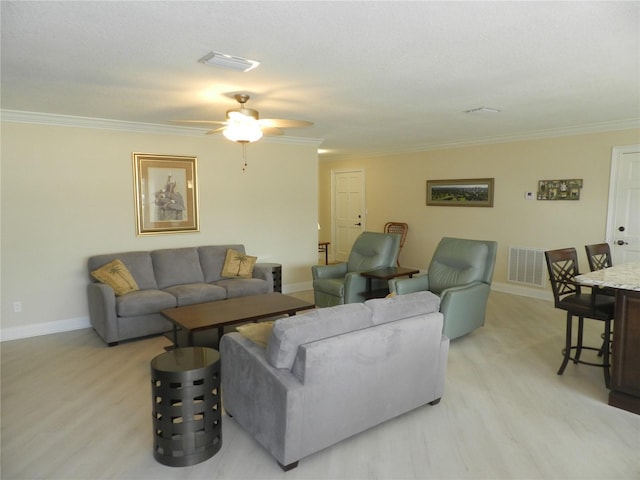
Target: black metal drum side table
(187,414)
(276,270)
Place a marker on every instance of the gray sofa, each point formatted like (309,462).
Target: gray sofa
(166,278)
(334,372)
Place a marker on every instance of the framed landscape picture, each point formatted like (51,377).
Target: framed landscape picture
(166,193)
(472,192)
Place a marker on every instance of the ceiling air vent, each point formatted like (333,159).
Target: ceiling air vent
(232,62)
(482,110)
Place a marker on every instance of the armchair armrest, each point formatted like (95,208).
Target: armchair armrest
(337,270)
(464,308)
(402,286)
(355,285)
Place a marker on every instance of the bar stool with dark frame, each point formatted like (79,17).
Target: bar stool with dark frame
(599,257)
(563,268)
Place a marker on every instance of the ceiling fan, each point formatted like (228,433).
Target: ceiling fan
(244,125)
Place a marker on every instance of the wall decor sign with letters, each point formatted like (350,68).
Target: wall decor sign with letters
(559,189)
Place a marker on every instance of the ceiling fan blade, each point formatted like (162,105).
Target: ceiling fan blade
(284,123)
(216,130)
(271,131)
(215,122)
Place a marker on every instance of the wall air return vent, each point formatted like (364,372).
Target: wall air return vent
(527,266)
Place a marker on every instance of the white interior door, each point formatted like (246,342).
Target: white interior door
(623,219)
(347,211)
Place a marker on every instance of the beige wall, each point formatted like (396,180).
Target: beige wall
(396,191)
(67,193)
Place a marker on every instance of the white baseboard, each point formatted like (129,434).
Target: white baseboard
(45,328)
(542,294)
(297,287)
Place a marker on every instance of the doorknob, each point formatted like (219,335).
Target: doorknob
(358,224)
(622,242)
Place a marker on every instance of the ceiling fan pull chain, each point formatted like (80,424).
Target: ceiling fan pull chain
(244,155)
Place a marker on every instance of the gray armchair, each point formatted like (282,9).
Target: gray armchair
(460,273)
(341,282)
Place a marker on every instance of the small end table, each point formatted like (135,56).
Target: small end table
(324,247)
(187,414)
(385,273)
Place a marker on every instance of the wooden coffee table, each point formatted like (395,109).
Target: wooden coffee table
(205,316)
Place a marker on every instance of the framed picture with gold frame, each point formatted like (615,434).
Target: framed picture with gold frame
(166,193)
(472,192)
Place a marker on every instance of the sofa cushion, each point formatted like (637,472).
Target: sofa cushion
(238,264)
(289,333)
(196,293)
(396,307)
(144,302)
(457,263)
(241,287)
(212,259)
(258,333)
(117,276)
(138,263)
(177,266)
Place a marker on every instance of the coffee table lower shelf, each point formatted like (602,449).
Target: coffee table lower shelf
(203,338)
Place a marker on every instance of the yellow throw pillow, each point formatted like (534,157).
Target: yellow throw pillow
(238,264)
(117,276)
(258,333)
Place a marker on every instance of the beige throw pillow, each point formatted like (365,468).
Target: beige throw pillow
(238,264)
(258,333)
(117,276)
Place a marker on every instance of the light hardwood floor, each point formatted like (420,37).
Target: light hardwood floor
(74,409)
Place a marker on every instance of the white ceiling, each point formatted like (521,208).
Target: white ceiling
(375,77)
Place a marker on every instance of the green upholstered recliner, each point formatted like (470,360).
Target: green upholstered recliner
(341,282)
(460,273)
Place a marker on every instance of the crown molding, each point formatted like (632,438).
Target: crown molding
(19,116)
(39,118)
(626,124)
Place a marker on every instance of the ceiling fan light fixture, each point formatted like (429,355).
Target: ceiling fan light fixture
(243,130)
(242,114)
(224,60)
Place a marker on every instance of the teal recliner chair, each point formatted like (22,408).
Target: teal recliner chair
(460,273)
(341,282)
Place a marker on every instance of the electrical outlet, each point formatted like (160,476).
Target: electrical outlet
(17,307)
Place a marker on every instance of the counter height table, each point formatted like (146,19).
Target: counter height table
(625,360)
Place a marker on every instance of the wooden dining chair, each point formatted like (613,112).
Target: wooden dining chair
(398,228)
(568,295)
